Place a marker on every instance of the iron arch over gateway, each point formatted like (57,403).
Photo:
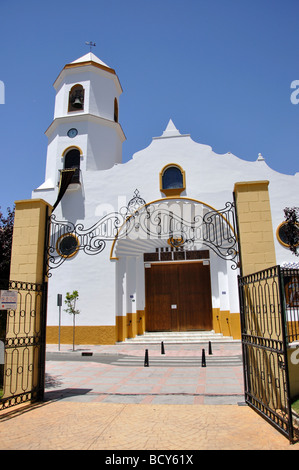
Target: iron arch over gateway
(170,253)
(182,223)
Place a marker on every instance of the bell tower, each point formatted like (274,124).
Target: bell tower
(85,133)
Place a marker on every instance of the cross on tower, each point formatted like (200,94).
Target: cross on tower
(90,44)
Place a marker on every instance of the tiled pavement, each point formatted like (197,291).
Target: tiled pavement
(104,404)
(176,377)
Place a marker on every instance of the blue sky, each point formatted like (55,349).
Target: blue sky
(220,69)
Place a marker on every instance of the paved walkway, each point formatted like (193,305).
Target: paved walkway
(110,401)
(116,374)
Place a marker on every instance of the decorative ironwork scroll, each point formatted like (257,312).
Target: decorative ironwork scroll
(184,223)
(175,222)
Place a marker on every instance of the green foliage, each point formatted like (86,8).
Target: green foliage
(295,405)
(291,215)
(70,301)
(6,230)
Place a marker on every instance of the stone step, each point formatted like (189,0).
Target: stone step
(175,361)
(179,337)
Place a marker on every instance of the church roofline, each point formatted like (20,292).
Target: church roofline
(171,131)
(88,60)
(90,57)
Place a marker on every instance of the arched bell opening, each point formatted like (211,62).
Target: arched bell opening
(76,98)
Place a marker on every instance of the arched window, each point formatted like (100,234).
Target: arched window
(172,180)
(76,98)
(72,160)
(115,110)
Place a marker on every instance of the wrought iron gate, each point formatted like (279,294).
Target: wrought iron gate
(22,336)
(264,343)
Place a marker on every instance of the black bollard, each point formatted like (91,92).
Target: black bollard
(203,359)
(210,348)
(146,364)
(162,348)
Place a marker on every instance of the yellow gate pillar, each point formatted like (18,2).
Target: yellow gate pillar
(26,325)
(256,240)
(28,246)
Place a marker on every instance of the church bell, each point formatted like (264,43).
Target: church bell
(77,103)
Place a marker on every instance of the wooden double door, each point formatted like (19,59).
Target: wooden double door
(178,297)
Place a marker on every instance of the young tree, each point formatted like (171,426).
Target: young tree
(70,301)
(6,229)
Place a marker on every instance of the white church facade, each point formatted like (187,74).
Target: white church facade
(150,244)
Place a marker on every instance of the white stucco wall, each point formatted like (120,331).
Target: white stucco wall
(105,286)
(209,178)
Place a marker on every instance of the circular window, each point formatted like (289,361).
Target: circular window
(67,245)
(282,234)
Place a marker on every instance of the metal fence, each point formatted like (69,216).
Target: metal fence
(290,282)
(22,337)
(263,300)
